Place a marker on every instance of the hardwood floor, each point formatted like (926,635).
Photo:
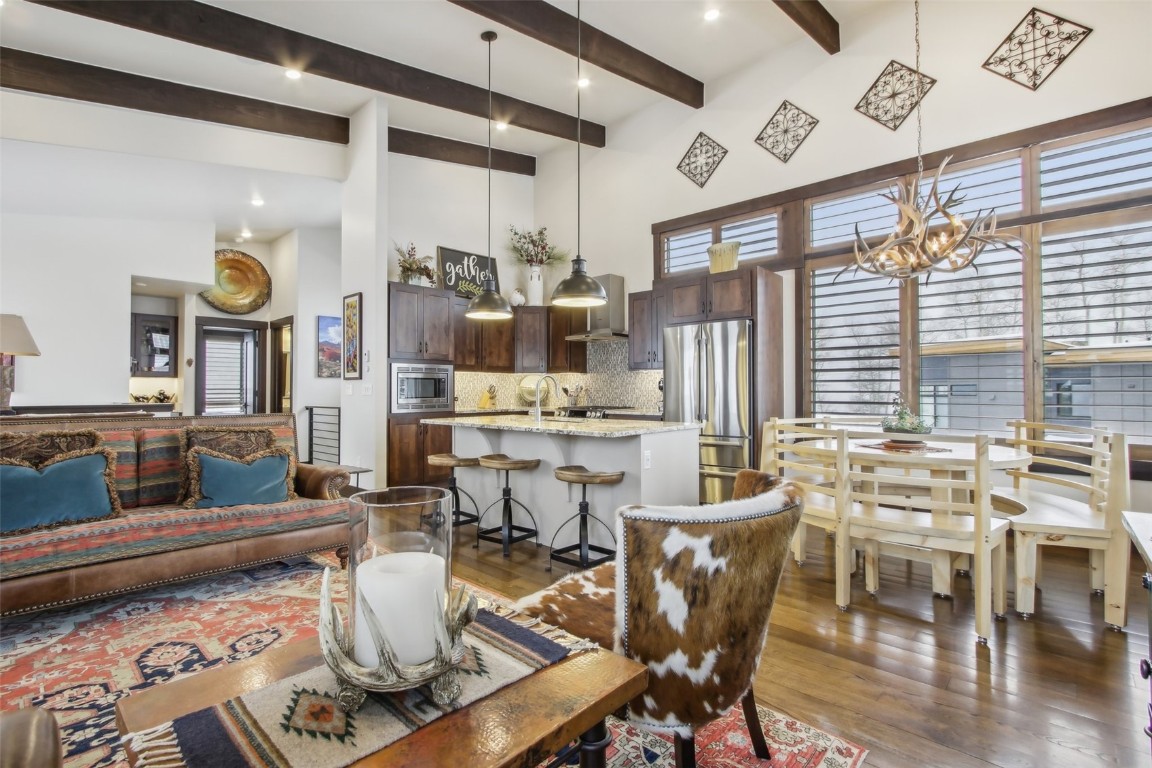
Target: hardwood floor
(902,673)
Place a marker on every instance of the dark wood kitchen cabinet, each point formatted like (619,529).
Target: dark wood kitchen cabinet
(567,356)
(420,322)
(410,443)
(482,345)
(646,310)
(531,339)
(720,296)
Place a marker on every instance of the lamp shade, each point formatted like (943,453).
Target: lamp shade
(578,289)
(15,338)
(488,304)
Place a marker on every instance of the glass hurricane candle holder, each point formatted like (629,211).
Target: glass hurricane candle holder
(403,630)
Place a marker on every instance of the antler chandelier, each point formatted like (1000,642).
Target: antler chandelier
(912,248)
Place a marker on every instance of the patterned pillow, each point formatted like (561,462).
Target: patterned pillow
(161,467)
(74,487)
(36,448)
(123,443)
(236,442)
(218,480)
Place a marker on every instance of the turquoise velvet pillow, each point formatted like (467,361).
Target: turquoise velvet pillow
(223,481)
(71,488)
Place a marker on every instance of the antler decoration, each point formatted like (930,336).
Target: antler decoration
(912,248)
(391,675)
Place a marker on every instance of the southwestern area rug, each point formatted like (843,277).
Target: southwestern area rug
(78,662)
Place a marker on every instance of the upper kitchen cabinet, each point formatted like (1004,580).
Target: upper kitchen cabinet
(420,322)
(154,347)
(567,356)
(482,345)
(646,310)
(720,296)
(531,339)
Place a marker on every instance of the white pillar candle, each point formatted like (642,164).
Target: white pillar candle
(403,589)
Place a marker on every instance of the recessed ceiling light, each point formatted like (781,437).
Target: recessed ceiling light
(712,14)
(239,239)
(292,74)
(582,82)
(245,233)
(501,126)
(139,283)
(256,201)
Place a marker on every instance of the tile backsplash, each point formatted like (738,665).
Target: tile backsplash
(608,382)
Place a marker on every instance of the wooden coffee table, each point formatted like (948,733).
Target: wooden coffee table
(519,725)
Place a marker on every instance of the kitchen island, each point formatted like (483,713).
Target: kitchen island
(660,462)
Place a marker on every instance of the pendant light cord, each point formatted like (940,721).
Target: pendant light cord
(578,139)
(490,155)
(919,98)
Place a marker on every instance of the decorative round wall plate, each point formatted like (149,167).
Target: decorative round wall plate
(242,283)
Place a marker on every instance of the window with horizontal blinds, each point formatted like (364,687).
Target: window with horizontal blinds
(998,185)
(757,237)
(834,220)
(689,250)
(855,328)
(225,373)
(1104,167)
(971,345)
(1097,319)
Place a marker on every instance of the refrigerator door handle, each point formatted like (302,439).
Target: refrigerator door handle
(699,374)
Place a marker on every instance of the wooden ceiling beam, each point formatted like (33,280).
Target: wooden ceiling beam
(32,72)
(814,19)
(25,71)
(548,24)
(212,27)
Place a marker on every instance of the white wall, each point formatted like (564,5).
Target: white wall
(434,204)
(317,254)
(71,280)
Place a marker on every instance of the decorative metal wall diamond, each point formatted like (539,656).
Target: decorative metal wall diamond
(895,94)
(701,159)
(786,131)
(1035,48)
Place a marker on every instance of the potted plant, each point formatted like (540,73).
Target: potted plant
(903,420)
(413,268)
(533,249)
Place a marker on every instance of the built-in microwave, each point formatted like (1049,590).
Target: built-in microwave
(417,387)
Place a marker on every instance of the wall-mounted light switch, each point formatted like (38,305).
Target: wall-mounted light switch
(365,389)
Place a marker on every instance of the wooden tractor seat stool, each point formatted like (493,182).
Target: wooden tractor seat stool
(452,461)
(507,533)
(583,554)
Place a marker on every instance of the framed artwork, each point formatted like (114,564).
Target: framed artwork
(352,353)
(329,337)
(465,272)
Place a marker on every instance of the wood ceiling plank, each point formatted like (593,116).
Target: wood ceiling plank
(815,20)
(33,72)
(212,27)
(548,24)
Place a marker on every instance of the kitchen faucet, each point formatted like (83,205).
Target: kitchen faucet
(540,381)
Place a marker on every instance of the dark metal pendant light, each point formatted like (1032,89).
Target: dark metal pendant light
(489,304)
(578,289)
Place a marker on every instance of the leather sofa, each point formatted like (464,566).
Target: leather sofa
(149,544)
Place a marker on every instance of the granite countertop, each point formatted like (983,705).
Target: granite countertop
(564,426)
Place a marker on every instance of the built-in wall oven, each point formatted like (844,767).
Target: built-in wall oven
(420,387)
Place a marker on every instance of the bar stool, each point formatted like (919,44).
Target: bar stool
(451,460)
(506,533)
(578,474)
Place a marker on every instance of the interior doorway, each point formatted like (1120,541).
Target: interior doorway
(231,372)
(280,386)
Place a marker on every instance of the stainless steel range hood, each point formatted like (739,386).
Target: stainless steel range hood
(606,322)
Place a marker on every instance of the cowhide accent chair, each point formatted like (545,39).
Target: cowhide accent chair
(697,585)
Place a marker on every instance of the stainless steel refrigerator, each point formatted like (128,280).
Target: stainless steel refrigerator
(708,379)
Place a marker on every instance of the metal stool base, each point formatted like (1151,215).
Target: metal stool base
(507,533)
(588,554)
